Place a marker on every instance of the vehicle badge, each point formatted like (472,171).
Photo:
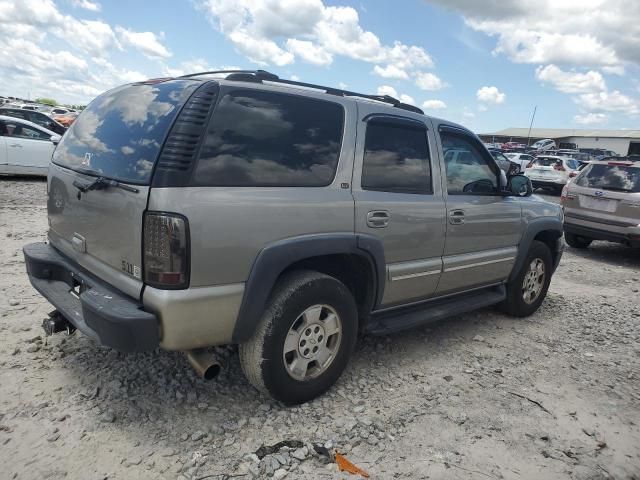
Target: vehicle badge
(599,193)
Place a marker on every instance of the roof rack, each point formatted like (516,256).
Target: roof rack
(259,76)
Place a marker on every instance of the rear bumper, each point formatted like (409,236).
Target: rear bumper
(99,311)
(632,240)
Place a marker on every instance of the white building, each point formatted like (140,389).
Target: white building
(617,140)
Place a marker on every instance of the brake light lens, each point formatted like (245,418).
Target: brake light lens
(530,164)
(559,167)
(166,250)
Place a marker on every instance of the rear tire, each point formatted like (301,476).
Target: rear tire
(577,241)
(304,339)
(528,289)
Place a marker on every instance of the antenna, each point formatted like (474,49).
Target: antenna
(531,124)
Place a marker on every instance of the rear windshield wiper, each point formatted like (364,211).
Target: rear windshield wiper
(102,183)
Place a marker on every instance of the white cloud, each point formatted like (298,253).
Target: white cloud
(387,90)
(280,31)
(87,5)
(404,98)
(146,42)
(571,82)
(590,118)
(429,81)
(613,101)
(578,32)
(390,71)
(434,105)
(309,52)
(490,95)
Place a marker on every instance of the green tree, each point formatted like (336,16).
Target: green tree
(47,101)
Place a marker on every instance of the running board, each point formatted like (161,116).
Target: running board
(433,311)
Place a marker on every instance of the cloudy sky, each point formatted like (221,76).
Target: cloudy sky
(481,63)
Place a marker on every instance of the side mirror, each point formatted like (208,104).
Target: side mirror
(55,139)
(520,186)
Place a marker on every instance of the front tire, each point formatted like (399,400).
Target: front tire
(577,241)
(304,339)
(528,289)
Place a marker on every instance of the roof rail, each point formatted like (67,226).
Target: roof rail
(259,76)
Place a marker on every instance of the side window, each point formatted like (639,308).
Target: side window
(258,138)
(4,131)
(18,130)
(468,171)
(396,158)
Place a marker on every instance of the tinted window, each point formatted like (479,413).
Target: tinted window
(610,177)
(573,164)
(396,158)
(268,139)
(121,132)
(547,162)
(14,113)
(18,130)
(468,170)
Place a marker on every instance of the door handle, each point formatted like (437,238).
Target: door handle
(456,217)
(378,218)
(16,145)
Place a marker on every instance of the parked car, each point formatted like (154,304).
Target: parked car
(247,210)
(506,165)
(544,145)
(514,147)
(522,159)
(38,118)
(603,203)
(568,146)
(553,172)
(25,148)
(65,120)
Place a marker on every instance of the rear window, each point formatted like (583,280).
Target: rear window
(610,177)
(268,139)
(546,162)
(120,133)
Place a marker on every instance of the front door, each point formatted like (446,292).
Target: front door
(27,146)
(483,226)
(398,199)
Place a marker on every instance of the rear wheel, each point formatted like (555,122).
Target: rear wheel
(577,241)
(304,340)
(529,287)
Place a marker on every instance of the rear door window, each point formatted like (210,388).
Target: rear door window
(396,157)
(270,139)
(120,133)
(610,177)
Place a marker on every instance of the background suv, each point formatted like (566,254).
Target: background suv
(284,217)
(603,203)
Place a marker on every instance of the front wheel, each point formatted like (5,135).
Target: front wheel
(529,287)
(304,339)
(577,241)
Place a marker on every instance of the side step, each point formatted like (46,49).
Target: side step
(434,310)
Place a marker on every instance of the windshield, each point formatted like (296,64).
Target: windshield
(611,177)
(573,164)
(120,133)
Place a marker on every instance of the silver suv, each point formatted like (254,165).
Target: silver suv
(603,203)
(282,217)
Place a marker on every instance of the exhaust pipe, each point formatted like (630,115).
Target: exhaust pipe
(206,364)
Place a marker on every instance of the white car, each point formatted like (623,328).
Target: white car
(522,159)
(25,148)
(544,145)
(550,171)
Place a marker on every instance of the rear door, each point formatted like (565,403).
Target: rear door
(483,226)
(399,200)
(118,136)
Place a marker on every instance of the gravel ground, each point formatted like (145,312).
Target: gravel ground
(556,395)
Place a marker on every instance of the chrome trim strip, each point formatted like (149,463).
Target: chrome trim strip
(478,264)
(417,274)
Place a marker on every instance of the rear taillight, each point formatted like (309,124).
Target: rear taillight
(559,167)
(573,174)
(565,191)
(166,250)
(530,164)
